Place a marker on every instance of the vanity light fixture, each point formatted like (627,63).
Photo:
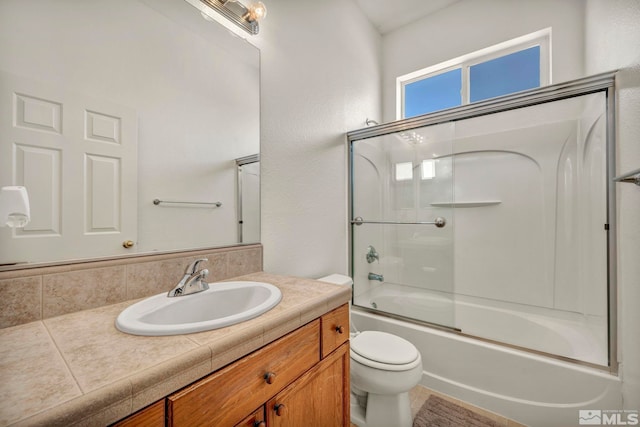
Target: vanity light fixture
(246,17)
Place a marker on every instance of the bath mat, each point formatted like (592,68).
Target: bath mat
(437,412)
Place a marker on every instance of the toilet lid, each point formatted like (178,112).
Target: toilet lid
(384,348)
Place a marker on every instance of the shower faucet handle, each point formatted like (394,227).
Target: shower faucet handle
(372,255)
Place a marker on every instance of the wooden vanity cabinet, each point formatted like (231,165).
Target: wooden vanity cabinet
(301,379)
(151,416)
(257,419)
(230,394)
(334,329)
(320,398)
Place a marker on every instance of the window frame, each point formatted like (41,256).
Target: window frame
(540,38)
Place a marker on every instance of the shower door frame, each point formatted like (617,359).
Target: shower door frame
(604,82)
(240,162)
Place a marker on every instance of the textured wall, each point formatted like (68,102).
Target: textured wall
(613,42)
(320,78)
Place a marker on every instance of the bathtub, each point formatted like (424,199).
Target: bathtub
(532,389)
(561,333)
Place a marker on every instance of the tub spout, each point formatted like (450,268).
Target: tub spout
(378,277)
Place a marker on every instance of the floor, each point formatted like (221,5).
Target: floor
(420,394)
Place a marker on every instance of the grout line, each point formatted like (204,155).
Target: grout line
(64,360)
(127,294)
(42,299)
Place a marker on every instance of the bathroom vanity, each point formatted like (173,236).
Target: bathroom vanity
(287,367)
(299,379)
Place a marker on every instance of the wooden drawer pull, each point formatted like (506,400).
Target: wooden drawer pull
(259,424)
(339,329)
(279,408)
(269,377)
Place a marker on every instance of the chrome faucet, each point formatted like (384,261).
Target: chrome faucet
(192,282)
(372,255)
(378,277)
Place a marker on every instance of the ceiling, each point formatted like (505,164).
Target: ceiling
(388,15)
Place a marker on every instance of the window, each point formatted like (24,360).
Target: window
(404,171)
(428,168)
(433,93)
(515,65)
(506,74)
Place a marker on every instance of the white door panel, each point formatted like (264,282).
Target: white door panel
(40,170)
(77,156)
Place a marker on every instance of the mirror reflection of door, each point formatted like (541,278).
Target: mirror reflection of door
(248,199)
(77,157)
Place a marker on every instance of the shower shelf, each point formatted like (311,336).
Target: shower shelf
(476,204)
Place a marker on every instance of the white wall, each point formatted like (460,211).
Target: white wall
(470,25)
(320,74)
(613,42)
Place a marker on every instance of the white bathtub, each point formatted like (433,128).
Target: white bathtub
(561,333)
(534,390)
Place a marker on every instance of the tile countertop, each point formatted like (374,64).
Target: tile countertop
(78,369)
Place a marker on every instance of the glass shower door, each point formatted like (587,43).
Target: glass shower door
(401,224)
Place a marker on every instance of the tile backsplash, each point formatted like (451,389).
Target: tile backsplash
(41,292)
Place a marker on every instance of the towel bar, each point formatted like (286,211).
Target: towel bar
(158,201)
(438,222)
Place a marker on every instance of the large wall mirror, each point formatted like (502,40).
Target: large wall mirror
(108,106)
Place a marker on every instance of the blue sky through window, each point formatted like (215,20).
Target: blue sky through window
(507,74)
(434,93)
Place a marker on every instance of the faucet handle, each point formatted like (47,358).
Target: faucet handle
(372,255)
(193,267)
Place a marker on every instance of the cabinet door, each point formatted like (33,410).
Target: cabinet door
(320,398)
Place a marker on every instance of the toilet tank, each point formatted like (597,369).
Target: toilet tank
(337,279)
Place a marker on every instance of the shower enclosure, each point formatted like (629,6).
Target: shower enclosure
(494,220)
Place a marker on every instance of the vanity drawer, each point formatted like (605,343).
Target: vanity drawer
(225,397)
(335,329)
(257,419)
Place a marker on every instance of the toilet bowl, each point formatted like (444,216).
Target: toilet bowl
(384,367)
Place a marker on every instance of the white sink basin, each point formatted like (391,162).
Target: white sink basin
(223,304)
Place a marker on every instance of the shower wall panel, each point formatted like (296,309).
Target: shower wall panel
(505,194)
(581,215)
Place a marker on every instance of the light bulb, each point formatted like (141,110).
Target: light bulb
(257,11)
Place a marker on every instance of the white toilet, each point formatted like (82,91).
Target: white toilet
(384,367)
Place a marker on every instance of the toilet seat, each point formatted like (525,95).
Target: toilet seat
(384,351)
